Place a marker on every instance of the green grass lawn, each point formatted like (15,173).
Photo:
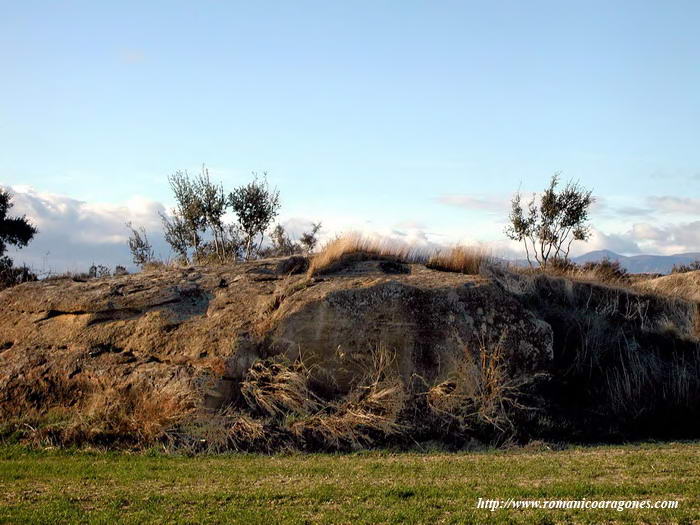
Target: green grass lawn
(64,486)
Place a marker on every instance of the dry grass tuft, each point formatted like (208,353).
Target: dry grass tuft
(678,285)
(220,431)
(460,259)
(478,392)
(109,416)
(277,387)
(345,250)
(371,410)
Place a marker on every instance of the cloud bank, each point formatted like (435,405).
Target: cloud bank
(74,234)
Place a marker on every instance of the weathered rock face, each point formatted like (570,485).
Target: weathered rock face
(173,340)
(195,326)
(429,327)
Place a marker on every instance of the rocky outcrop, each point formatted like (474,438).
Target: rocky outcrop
(186,338)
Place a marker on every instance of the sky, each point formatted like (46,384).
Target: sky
(410,119)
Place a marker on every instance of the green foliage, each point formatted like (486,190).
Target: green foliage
(184,229)
(11,275)
(255,205)
(547,226)
(98,271)
(14,231)
(281,243)
(195,228)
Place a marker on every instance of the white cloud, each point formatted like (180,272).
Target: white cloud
(679,205)
(470,202)
(73,233)
(668,238)
(618,243)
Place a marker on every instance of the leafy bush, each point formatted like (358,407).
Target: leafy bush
(98,271)
(255,205)
(11,276)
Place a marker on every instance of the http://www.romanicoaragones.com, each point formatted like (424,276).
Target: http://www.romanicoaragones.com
(619,505)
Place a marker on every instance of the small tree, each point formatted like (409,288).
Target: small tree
(281,243)
(177,235)
(212,206)
(551,223)
(233,241)
(256,206)
(183,231)
(14,231)
(309,239)
(139,246)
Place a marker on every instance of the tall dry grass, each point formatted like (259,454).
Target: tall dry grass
(345,250)
(339,252)
(460,259)
(478,393)
(277,387)
(106,416)
(370,411)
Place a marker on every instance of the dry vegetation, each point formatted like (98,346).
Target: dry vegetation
(625,365)
(132,417)
(285,405)
(680,285)
(343,251)
(460,259)
(346,250)
(477,393)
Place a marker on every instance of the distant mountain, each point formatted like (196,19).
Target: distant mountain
(640,263)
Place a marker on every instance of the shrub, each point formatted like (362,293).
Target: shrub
(478,393)
(255,205)
(11,276)
(309,239)
(281,244)
(549,225)
(195,227)
(98,271)
(277,387)
(139,246)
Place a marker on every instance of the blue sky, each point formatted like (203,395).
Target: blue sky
(393,116)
